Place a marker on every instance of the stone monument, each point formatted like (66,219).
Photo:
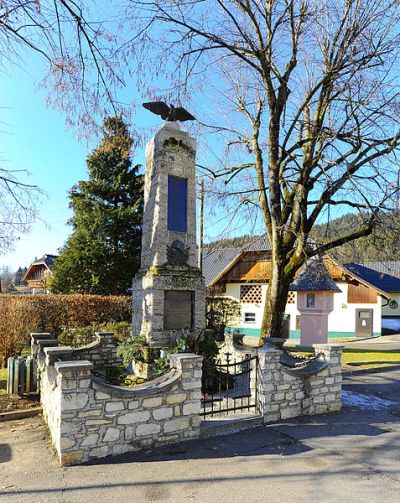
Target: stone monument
(168,291)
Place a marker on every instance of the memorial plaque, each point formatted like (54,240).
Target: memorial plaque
(178,309)
(177,204)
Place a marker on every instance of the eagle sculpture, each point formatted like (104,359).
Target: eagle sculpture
(169,113)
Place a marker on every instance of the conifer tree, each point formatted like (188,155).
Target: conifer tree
(103,252)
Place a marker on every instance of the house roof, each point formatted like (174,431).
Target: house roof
(314,277)
(47,261)
(380,280)
(216,261)
(391,267)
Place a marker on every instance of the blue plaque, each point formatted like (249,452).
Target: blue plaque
(177,204)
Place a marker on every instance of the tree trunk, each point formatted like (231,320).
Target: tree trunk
(275,304)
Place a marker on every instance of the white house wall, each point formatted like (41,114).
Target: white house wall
(341,321)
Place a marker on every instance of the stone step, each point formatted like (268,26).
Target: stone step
(224,424)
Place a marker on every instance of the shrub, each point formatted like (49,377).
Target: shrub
(77,337)
(22,314)
(132,349)
(220,312)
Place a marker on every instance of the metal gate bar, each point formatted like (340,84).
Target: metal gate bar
(226,387)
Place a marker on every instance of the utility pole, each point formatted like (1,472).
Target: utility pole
(201,224)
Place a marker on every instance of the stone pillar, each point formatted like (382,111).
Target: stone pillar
(332,383)
(74,382)
(37,336)
(168,291)
(269,375)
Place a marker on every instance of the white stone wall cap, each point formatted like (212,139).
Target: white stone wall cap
(186,356)
(58,350)
(41,335)
(62,367)
(104,333)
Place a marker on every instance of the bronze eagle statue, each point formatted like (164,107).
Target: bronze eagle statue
(169,113)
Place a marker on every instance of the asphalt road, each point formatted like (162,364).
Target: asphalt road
(350,456)
(383,343)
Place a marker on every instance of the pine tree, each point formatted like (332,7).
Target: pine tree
(21,271)
(103,252)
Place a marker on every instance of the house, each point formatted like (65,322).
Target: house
(386,276)
(244,275)
(38,274)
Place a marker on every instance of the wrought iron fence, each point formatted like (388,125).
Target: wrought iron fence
(229,386)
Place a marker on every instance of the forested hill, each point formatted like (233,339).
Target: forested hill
(383,244)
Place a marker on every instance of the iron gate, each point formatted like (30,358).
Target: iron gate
(227,385)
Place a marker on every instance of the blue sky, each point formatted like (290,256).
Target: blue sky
(34,138)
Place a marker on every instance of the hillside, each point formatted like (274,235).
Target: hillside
(383,244)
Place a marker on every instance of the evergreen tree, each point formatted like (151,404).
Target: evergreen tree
(21,271)
(103,252)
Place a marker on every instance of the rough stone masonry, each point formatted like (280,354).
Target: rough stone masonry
(168,291)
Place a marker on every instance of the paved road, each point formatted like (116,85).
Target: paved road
(383,343)
(351,456)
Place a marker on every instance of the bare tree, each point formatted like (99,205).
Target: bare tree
(312,94)
(73,39)
(18,205)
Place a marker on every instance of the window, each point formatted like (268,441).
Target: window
(250,294)
(291,299)
(310,300)
(177,196)
(249,317)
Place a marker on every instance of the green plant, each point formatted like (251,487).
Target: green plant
(161,366)
(77,337)
(220,312)
(204,344)
(132,349)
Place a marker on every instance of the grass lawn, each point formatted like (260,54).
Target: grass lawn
(3,381)
(358,358)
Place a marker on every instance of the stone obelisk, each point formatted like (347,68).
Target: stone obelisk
(168,291)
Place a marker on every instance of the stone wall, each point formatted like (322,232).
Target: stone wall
(89,419)
(102,352)
(283,396)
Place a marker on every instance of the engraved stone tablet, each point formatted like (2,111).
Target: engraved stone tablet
(178,309)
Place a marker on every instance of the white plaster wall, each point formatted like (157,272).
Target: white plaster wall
(343,316)
(341,319)
(233,290)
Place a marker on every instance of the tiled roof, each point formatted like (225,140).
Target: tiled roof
(385,282)
(314,277)
(215,261)
(391,267)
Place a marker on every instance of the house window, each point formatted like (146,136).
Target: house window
(249,317)
(310,300)
(291,299)
(250,294)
